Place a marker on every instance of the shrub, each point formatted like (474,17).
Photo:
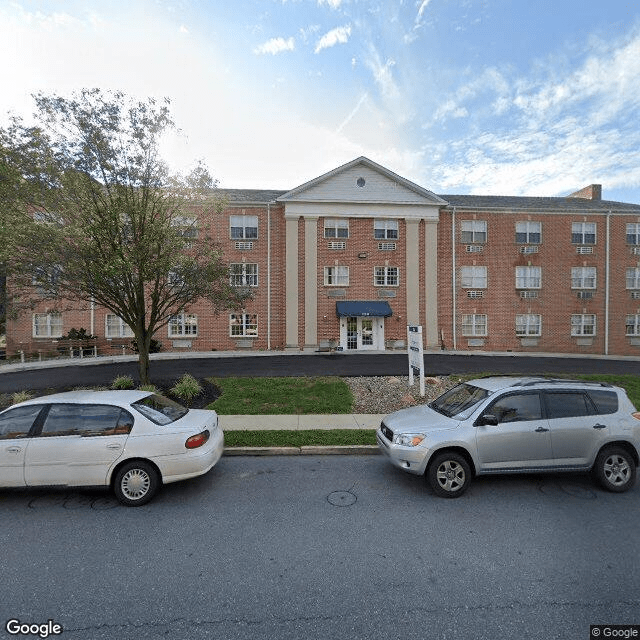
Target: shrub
(187,388)
(148,387)
(20,396)
(122,382)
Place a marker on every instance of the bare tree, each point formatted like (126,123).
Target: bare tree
(99,218)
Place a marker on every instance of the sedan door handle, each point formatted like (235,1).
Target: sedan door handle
(14,449)
(599,426)
(113,446)
(541,430)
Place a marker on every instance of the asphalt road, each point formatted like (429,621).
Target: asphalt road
(322,547)
(309,365)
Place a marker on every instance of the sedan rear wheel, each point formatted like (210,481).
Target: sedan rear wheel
(616,469)
(449,475)
(136,483)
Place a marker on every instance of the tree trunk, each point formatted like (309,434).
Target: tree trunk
(143,363)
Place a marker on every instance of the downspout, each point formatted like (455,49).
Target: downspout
(453,277)
(607,287)
(92,316)
(268,276)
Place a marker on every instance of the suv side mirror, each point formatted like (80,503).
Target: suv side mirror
(488,419)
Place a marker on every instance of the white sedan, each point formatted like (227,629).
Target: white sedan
(132,441)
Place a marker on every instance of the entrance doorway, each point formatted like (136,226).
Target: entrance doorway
(361,333)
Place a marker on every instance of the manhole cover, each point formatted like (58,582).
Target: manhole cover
(342,498)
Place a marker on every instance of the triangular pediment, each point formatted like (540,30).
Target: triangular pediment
(362,181)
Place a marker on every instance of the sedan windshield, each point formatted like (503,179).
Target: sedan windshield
(159,409)
(459,402)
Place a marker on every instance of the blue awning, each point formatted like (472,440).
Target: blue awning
(373,308)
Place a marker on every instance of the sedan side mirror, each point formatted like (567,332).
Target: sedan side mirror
(488,419)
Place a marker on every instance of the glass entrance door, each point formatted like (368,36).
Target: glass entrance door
(358,333)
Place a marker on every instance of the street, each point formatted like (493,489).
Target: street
(324,547)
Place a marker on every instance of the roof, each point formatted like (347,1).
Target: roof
(247,196)
(101,397)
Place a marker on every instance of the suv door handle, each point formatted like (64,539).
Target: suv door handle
(541,430)
(599,426)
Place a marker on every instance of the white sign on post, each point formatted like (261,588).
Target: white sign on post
(416,355)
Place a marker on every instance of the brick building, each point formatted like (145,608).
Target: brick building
(353,256)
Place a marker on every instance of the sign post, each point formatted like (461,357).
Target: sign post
(416,355)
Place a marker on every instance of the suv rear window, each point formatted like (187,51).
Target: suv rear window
(605,401)
(567,404)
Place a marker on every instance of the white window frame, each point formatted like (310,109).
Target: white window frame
(183,325)
(336,276)
(632,325)
(248,226)
(580,323)
(473,277)
(473,231)
(386,276)
(584,277)
(632,278)
(385,229)
(529,229)
(528,325)
(581,230)
(243,325)
(474,325)
(528,277)
(337,228)
(51,329)
(113,321)
(245,275)
(633,233)
(187,225)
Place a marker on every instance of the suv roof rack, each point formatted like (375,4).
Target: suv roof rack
(541,380)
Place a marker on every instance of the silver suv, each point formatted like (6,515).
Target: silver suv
(516,425)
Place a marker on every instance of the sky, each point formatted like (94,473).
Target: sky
(495,97)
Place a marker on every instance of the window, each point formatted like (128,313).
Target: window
(336,228)
(386,276)
(188,226)
(583,232)
(46,280)
(633,233)
(473,231)
(86,420)
(243,275)
(605,401)
(528,232)
(474,324)
(633,278)
(47,325)
(243,324)
(519,407)
(583,277)
(632,324)
(566,405)
(16,423)
(528,324)
(528,277)
(183,324)
(175,279)
(244,227)
(473,277)
(336,276)
(116,327)
(583,324)
(385,229)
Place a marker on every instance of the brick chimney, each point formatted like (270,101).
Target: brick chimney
(592,192)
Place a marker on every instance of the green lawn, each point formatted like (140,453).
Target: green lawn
(316,437)
(272,396)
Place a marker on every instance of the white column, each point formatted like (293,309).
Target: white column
(412,272)
(311,282)
(431,283)
(291,283)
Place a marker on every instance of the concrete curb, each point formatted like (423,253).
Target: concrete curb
(311,450)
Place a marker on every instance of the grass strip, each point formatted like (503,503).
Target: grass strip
(278,396)
(311,437)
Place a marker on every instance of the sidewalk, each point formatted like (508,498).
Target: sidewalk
(300,423)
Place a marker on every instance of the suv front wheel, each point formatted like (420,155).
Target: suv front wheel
(449,474)
(615,469)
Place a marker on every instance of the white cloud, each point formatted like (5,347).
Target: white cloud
(339,35)
(275,46)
